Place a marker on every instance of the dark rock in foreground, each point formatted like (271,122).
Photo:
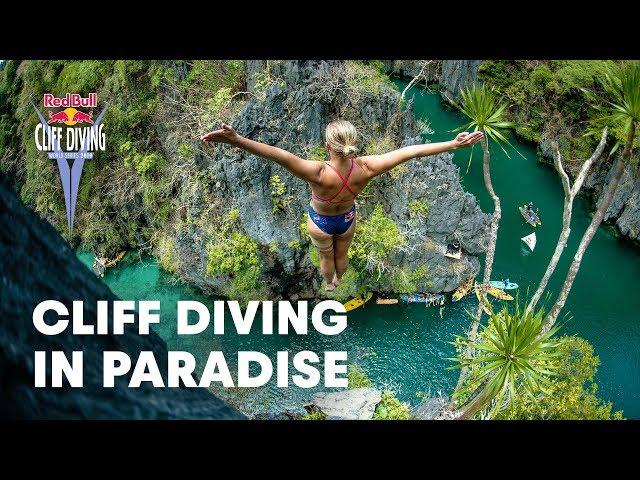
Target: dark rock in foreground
(37,264)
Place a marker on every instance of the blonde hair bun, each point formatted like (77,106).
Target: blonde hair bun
(341,137)
(349,150)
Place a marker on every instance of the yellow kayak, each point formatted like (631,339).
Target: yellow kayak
(114,260)
(496,292)
(462,290)
(357,302)
(386,301)
(486,306)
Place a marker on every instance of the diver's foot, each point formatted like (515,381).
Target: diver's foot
(336,280)
(330,287)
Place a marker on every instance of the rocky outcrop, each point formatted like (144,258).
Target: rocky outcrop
(351,404)
(37,264)
(430,409)
(624,210)
(292,115)
(451,75)
(453,214)
(458,74)
(410,68)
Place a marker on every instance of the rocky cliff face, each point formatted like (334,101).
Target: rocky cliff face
(456,75)
(624,211)
(292,115)
(37,264)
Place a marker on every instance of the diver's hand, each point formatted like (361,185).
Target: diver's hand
(225,134)
(466,139)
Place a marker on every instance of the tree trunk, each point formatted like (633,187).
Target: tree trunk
(591,230)
(491,249)
(474,406)
(569,195)
(414,79)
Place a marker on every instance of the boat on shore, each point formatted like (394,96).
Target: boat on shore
(462,290)
(357,302)
(453,250)
(386,301)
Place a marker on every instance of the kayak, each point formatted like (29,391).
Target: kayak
(532,218)
(462,290)
(503,284)
(496,292)
(386,301)
(486,306)
(530,240)
(428,298)
(357,302)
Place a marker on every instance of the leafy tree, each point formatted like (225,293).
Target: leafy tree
(572,394)
(513,358)
(622,84)
(485,114)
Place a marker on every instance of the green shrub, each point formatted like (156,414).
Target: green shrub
(318,153)
(315,415)
(350,286)
(294,244)
(418,209)
(167,254)
(363,77)
(573,393)
(390,408)
(376,238)
(280,201)
(357,378)
(404,281)
(378,146)
(230,252)
(314,256)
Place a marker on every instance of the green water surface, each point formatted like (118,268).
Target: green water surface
(404,347)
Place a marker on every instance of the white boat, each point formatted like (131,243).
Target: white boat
(530,240)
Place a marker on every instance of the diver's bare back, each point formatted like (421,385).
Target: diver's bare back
(329,183)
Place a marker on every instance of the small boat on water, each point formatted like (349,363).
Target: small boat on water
(462,290)
(531,217)
(530,240)
(496,292)
(357,302)
(429,299)
(503,284)
(386,301)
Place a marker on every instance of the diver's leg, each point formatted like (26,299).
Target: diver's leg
(340,250)
(324,243)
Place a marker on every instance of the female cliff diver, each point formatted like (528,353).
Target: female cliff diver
(331,219)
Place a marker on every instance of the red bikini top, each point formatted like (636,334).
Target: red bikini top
(344,184)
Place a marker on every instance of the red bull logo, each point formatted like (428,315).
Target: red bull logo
(71,143)
(72,100)
(70,116)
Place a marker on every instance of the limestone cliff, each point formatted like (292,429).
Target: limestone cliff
(292,115)
(36,264)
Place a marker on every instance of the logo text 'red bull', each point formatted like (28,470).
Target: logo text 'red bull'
(73,100)
(70,136)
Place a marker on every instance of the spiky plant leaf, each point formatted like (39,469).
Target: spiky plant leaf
(485,113)
(511,357)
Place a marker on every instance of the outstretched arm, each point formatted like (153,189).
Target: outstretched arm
(304,169)
(378,164)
